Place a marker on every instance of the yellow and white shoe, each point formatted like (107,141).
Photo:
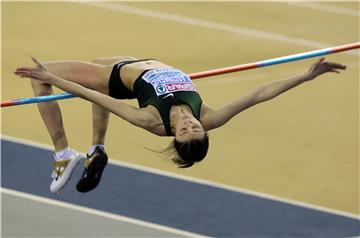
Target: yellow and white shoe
(63,170)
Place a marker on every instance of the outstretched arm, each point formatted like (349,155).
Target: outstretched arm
(218,117)
(131,114)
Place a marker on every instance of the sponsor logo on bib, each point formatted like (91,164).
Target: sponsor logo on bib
(160,89)
(168,81)
(180,87)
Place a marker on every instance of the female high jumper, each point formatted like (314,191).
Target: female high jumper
(168,106)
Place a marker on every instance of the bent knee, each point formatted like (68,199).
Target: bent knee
(40,88)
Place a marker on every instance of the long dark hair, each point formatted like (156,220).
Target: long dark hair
(190,152)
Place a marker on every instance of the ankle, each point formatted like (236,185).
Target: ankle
(63,154)
(93,147)
(59,140)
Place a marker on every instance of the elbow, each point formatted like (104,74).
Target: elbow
(150,126)
(144,122)
(259,94)
(263,94)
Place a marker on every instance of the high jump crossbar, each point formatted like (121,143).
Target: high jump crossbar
(208,73)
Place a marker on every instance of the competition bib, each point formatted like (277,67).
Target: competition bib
(168,81)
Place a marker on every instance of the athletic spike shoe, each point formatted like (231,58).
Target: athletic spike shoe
(94,166)
(63,170)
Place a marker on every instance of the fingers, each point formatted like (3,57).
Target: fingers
(329,66)
(28,69)
(322,59)
(22,71)
(334,71)
(317,64)
(37,63)
(17,72)
(334,67)
(337,66)
(24,75)
(332,64)
(24,68)
(30,75)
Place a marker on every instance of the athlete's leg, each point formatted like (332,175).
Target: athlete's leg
(87,74)
(100,115)
(51,115)
(97,157)
(112,60)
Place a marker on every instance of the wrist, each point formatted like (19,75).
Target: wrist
(50,78)
(307,77)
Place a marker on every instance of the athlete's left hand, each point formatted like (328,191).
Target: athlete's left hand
(38,72)
(322,66)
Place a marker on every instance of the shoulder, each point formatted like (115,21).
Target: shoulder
(205,110)
(205,116)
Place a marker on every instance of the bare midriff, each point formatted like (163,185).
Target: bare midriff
(130,72)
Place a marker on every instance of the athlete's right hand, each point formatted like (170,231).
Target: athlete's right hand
(38,72)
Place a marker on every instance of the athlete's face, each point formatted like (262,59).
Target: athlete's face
(189,128)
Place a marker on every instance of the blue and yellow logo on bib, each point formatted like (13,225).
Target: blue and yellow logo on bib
(161,89)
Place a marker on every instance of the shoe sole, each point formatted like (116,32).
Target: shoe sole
(66,175)
(96,167)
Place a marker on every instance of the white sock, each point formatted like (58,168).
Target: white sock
(93,147)
(63,154)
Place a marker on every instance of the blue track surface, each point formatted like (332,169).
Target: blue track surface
(172,202)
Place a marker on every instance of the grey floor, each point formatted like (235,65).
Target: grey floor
(26,218)
(184,205)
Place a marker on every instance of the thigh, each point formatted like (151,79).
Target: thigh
(87,74)
(112,60)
